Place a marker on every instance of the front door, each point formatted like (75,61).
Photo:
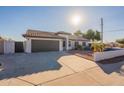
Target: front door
(64,45)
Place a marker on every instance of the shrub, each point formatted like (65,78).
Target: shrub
(121,41)
(86,48)
(79,47)
(121,45)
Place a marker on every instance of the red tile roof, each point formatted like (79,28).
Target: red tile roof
(44,34)
(41,34)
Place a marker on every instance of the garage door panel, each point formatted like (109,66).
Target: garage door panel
(45,45)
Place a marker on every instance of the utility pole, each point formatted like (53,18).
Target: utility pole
(102,30)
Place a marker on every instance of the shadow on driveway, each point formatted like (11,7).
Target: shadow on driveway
(23,64)
(108,68)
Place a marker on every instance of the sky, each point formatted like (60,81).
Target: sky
(16,20)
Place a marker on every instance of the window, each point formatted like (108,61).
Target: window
(84,43)
(76,43)
(63,43)
(69,43)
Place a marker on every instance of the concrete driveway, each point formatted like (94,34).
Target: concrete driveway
(55,68)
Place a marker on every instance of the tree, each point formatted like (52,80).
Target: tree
(78,33)
(92,35)
(97,47)
(121,41)
(97,35)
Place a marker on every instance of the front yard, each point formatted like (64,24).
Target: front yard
(57,68)
(84,54)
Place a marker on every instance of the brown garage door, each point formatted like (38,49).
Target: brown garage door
(45,45)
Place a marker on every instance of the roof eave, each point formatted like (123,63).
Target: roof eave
(27,36)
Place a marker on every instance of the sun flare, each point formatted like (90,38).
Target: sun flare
(76,19)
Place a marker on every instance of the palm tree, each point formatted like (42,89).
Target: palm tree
(97,47)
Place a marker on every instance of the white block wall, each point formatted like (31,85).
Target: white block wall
(27,47)
(87,44)
(60,45)
(9,47)
(80,42)
(108,54)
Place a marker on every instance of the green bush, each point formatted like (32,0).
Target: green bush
(121,41)
(79,47)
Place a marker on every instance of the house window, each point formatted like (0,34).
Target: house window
(76,43)
(84,43)
(69,43)
(63,43)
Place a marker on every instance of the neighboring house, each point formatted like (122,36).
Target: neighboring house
(38,41)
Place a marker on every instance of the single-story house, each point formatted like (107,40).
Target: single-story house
(38,41)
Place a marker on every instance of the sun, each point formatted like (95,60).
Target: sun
(76,19)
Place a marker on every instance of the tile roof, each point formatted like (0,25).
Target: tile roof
(78,38)
(72,37)
(41,34)
(44,34)
(62,32)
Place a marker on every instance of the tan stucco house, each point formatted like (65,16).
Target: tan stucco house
(38,41)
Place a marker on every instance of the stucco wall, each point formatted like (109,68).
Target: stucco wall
(60,45)
(108,54)
(27,45)
(80,42)
(9,47)
(72,45)
(67,41)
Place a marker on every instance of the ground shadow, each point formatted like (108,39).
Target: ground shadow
(111,65)
(25,64)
